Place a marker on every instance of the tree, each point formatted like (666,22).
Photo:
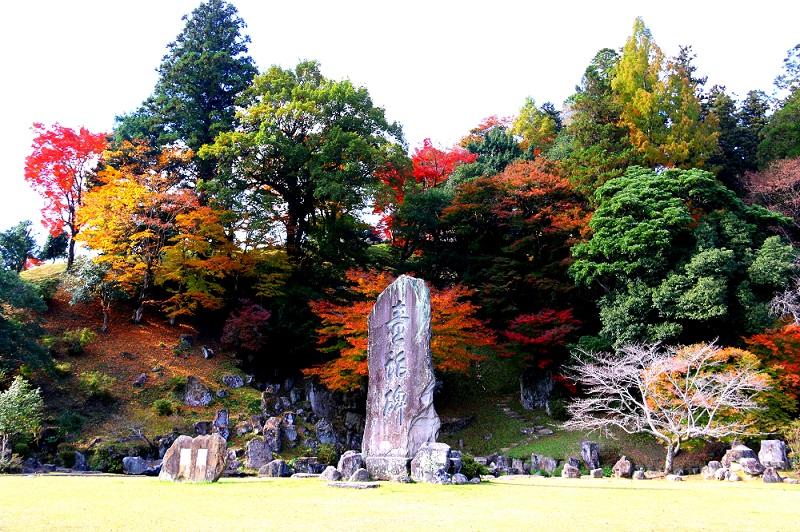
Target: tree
(245,328)
(537,127)
(55,247)
(304,153)
(672,394)
(205,68)
(789,80)
(59,168)
(90,281)
(778,188)
(676,255)
(457,336)
(21,410)
(778,350)
(781,134)
(16,245)
(493,142)
(20,305)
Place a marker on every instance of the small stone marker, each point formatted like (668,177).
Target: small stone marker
(400,413)
(200,459)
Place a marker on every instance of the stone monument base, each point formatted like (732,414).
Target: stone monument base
(387,467)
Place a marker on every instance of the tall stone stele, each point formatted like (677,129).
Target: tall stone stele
(400,413)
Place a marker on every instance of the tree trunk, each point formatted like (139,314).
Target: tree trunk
(670,457)
(138,313)
(71,252)
(105,321)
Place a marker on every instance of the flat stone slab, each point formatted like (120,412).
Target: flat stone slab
(354,485)
(304,475)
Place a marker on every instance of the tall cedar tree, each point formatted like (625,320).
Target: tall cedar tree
(59,168)
(205,68)
(458,338)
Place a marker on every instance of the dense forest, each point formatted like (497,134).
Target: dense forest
(269,209)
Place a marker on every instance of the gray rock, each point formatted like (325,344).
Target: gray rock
(431,464)
(308,464)
(455,461)
(257,453)
(331,474)
(349,462)
(791,481)
(721,473)
(354,485)
(639,475)
(80,463)
(771,476)
(590,452)
(200,459)
(517,467)
(596,473)
(623,468)
(322,400)
(207,351)
(574,462)
(570,471)
(353,420)
(751,466)
(543,463)
(306,475)
(275,468)
(400,413)
(773,454)
(220,424)
(325,433)
(196,394)
(222,393)
(233,464)
(674,478)
(459,479)
(202,428)
(535,387)
(734,454)
(359,475)
(134,465)
(732,477)
(244,427)
(140,380)
(233,381)
(272,432)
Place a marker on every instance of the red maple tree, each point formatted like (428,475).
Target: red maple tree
(60,164)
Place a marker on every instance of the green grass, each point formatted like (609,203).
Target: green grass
(45,271)
(116,503)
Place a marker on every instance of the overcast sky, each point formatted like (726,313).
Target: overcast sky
(437,67)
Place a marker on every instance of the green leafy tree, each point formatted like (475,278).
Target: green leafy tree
(304,153)
(20,413)
(89,282)
(781,135)
(677,256)
(16,244)
(55,247)
(20,305)
(203,71)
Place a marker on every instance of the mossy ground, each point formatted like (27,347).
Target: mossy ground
(513,503)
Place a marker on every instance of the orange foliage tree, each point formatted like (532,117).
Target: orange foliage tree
(458,338)
(779,353)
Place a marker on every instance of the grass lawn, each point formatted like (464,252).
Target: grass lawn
(511,503)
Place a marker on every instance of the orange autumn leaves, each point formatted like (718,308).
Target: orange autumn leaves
(458,338)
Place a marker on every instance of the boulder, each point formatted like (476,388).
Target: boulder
(331,474)
(197,394)
(322,400)
(275,468)
(590,452)
(272,432)
(80,463)
(735,453)
(243,428)
(459,479)
(222,393)
(354,485)
(733,477)
(623,468)
(574,462)
(674,478)
(570,471)
(349,462)
(543,463)
(325,433)
(751,466)
(535,387)
(200,459)
(140,380)
(233,381)
(308,464)
(517,467)
(773,454)
(220,424)
(431,464)
(202,428)
(233,464)
(639,475)
(475,480)
(134,465)
(359,475)
(207,351)
(596,473)
(791,481)
(455,461)
(721,473)
(257,453)
(771,476)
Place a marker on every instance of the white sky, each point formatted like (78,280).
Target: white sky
(437,67)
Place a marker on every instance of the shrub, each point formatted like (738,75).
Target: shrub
(70,422)
(72,342)
(792,435)
(470,468)
(97,385)
(163,407)
(12,464)
(106,459)
(177,384)
(62,369)
(327,454)
(46,287)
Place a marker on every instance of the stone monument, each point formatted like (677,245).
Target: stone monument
(200,459)
(400,413)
